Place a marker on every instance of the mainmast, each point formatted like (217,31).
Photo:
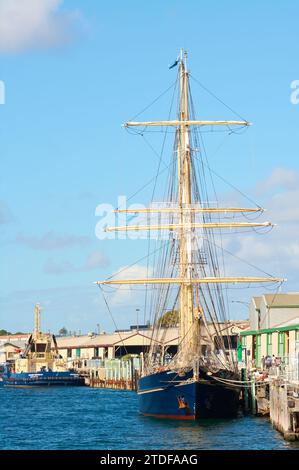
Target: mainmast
(189,325)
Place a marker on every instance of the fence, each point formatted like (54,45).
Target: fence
(114,373)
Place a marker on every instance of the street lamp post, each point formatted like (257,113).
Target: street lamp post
(137,310)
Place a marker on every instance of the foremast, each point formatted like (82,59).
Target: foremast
(189,323)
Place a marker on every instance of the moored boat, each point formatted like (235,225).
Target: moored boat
(169,395)
(40,364)
(201,380)
(44,378)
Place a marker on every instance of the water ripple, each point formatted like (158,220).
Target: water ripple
(84,418)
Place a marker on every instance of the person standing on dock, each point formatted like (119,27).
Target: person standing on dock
(268,362)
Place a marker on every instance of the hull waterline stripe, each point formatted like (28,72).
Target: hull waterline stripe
(151,390)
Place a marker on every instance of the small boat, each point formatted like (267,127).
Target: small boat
(39,364)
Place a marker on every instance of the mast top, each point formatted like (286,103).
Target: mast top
(185,60)
(183,53)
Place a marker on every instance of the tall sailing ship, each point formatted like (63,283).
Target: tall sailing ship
(195,382)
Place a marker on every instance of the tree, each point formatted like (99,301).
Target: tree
(4,333)
(169,319)
(63,331)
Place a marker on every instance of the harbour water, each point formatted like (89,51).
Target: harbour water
(85,418)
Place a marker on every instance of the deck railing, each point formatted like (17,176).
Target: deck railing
(286,368)
(111,373)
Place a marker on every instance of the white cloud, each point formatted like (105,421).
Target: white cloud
(51,241)
(59,267)
(124,294)
(277,252)
(34,24)
(253,248)
(132,272)
(284,206)
(94,260)
(279,178)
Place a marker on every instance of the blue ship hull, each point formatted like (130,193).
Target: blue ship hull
(168,395)
(42,378)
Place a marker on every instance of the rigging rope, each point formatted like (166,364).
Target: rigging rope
(216,97)
(154,101)
(112,317)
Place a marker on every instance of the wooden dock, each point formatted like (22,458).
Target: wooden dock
(284,408)
(120,384)
(117,374)
(275,395)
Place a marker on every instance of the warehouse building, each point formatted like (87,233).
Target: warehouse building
(110,346)
(9,351)
(135,341)
(273,330)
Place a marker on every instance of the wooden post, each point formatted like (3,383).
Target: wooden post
(132,373)
(244,376)
(253,400)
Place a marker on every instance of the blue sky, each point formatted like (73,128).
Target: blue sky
(72,76)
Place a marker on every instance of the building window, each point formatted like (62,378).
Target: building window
(258,319)
(96,352)
(69,352)
(257,350)
(228,342)
(78,352)
(269,344)
(281,344)
(204,350)
(231,342)
(286,342)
